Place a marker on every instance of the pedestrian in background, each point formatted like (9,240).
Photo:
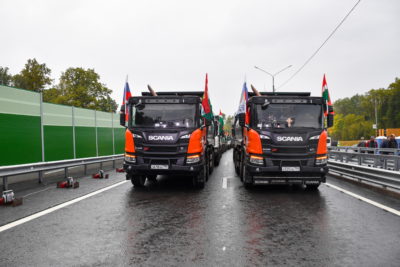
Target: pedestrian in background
(391,143)
(371,144)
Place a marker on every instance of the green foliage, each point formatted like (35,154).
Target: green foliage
(33,76)
(5,77)
(81,88)
(351,127)
(228,124)
(355,115)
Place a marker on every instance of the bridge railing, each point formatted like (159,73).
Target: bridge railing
(384,158)
(379,151)
(41,167)
(377,166)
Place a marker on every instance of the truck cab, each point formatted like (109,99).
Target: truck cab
(282,139)
(166,134)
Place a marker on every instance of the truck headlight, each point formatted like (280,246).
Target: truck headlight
(186,136)
(257,160)
(321,160)
(193,159)
(264,136)
(137,136)
(130,158)
(315,137)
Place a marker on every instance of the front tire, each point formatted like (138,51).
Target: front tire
(312,187)
(152,178)
(138,180)
(211,161)
(199,180)
(247,178)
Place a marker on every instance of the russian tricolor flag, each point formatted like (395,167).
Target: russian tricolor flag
(127,95)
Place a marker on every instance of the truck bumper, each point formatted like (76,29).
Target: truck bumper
(146,169)
(275,175)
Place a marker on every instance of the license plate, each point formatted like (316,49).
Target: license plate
(290,169)
(159,167)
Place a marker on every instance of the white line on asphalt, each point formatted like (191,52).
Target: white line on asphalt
(33,193)
(224,183)
(376,204)
(52,209)
(223,248)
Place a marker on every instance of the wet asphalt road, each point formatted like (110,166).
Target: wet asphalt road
(170,224)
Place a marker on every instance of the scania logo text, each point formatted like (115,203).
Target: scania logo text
(289,139)
(160,138)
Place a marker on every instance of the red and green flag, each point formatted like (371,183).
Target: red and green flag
(221,122)
(206,103)
(325,95)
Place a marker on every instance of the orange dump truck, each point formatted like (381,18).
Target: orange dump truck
(282,139)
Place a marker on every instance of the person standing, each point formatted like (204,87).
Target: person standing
(371,144)
(391,143)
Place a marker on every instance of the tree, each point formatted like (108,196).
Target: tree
(34,76)
(228,124)
(81,88)
(5,77)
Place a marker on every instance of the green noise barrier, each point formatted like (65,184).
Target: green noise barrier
(33,131)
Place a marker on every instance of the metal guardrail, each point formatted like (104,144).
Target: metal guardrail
(375,165)
(389,161)
(376,176)
(40,167)
(377,151)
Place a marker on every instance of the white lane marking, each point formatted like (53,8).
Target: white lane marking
(55,208)
(33,193)
(223,249)
(376,204)
(225,183)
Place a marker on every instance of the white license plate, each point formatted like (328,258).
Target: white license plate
(290,169)
(159,167)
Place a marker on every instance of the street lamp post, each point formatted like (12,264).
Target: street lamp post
(273,75)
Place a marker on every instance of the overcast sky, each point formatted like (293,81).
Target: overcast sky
(172,44)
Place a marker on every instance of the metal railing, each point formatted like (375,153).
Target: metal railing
(378,151)
(379,166)
(367,157)
(41,167)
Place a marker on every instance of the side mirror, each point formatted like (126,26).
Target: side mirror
(122,119)
(329,120)
(242,121)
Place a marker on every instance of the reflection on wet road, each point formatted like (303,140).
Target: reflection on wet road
(168,224)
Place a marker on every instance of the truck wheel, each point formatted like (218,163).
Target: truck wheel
(152,178)
(138,180)
(312,187)
(236,162)
(247,179)
(241,166)
(217,159)
(211,160)
(199,180)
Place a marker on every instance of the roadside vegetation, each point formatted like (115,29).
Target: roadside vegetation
(77,87)
(355,116)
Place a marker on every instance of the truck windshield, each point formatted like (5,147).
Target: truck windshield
(164,115)
(289,116)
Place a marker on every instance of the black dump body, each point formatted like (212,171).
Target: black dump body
(161,150)
(289,154)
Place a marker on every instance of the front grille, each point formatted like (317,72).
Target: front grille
(160,148)
(290,150)
(279,163)
(160,162)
